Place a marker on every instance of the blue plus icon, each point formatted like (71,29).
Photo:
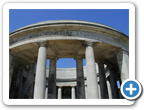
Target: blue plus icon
(130,89)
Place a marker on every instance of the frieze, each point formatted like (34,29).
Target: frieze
(63,33)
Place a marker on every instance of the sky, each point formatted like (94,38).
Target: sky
(116,18)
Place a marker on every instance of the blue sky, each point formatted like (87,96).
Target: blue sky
(116,18)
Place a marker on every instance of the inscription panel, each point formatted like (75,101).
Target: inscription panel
(61,33)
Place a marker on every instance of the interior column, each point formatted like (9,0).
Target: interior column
(19,82)
(28,85)
(73,92)
(109,89)
(103,85)
(113,82)
(52,79)
(80,78)
(59,92)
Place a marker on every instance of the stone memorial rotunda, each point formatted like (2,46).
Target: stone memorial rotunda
(105,49)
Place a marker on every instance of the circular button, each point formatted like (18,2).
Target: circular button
(131,89)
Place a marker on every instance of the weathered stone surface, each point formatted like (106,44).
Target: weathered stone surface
(123,62)
(11,67)
(66,39)
(103,85)
(19,81)
(52,80)
(80,79)
(59,93)
(40,80)
(28,85)
(92,86)
(73,93)
(72,34)
(113,82)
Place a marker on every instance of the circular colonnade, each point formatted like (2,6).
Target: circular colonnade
(99,45)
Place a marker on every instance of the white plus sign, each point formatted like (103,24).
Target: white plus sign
(131,89)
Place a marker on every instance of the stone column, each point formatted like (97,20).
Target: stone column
(73,93)
(109,89)
(123,62)
(59,93)
(103,85)
(46,92)
(99,90)
(40,80)
(11,67)
(97,68)
(19,81)
(28,85)
(92,85)
(85,91)
(113,82)
(80,78)
(52,79)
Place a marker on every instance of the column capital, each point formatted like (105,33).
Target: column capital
(42,43)
(88,43)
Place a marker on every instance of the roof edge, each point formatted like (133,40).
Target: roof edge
(51,22)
